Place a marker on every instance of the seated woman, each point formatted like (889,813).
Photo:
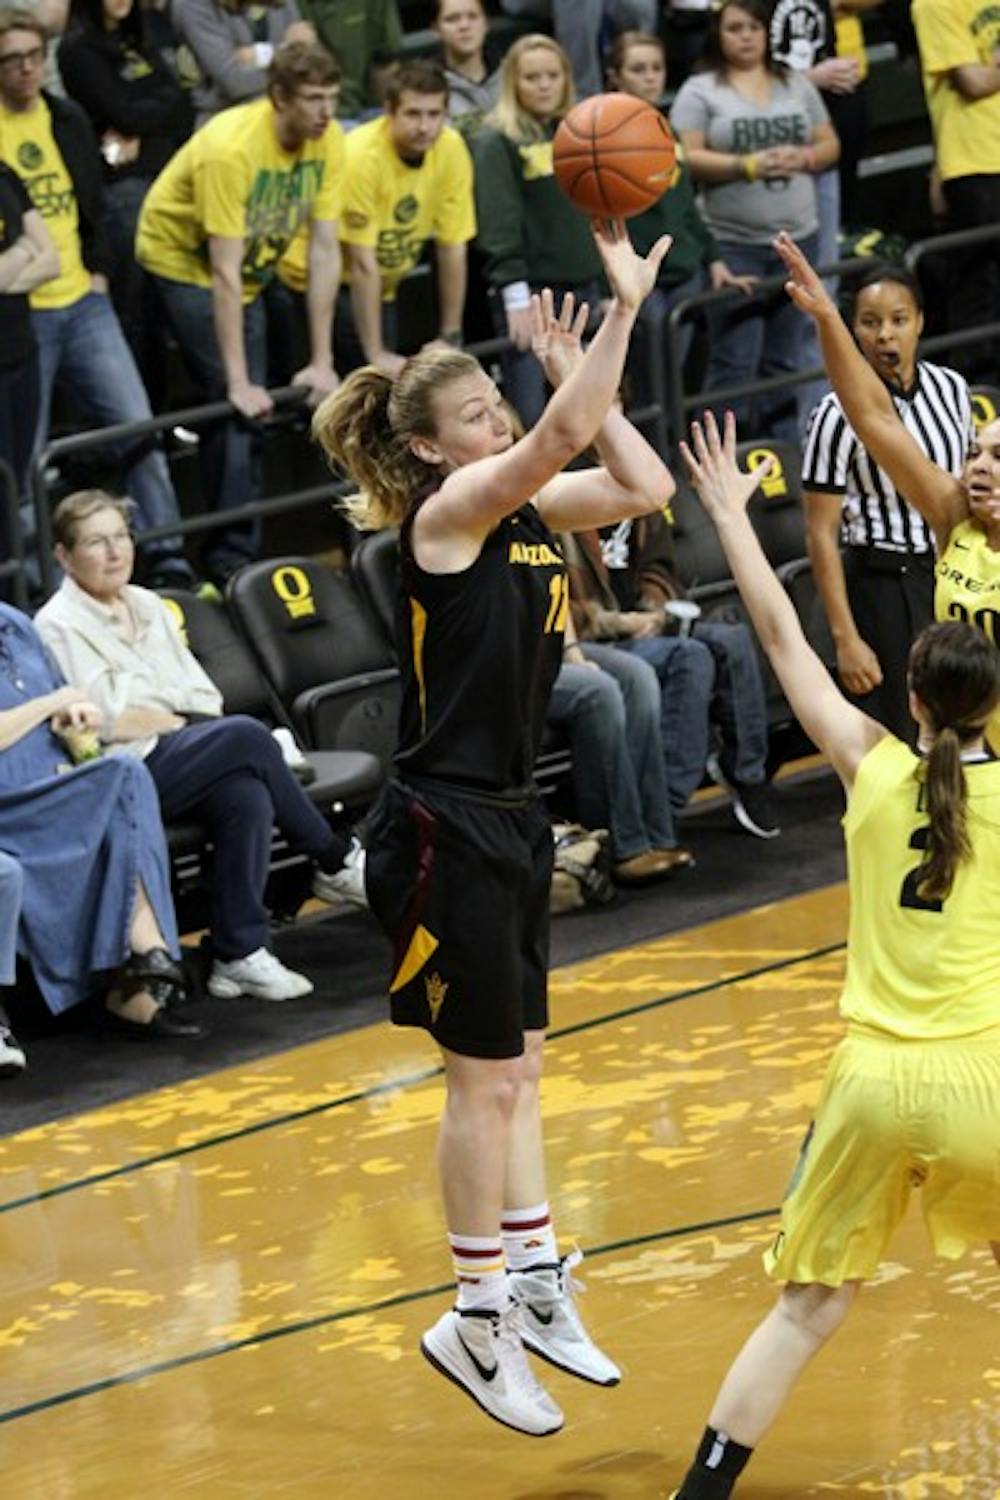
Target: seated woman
(119,644)
(89,843)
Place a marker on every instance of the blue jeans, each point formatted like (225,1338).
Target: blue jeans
(685,669)
(652,323)
(83,347)
(228,451)
(11,886)
(612,718)
(758,337)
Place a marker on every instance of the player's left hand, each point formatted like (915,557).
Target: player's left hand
(321,380)
(557,341)
(722,488)
(631,276)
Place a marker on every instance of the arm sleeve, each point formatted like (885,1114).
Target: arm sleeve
(206,29)
(85,668)
(221,189)
(359,200)
(812,101)
(690,110)
(196,692)
(455,210)
(499,208)
(828,450)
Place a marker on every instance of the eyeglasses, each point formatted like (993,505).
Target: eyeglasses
(12,61)
(95,544)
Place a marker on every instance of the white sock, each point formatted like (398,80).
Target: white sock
(480,1273)
(528,1237)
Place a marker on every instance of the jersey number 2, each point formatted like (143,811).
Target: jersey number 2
(908,895)
(555,620)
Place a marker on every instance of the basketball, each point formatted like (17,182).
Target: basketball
(613,156)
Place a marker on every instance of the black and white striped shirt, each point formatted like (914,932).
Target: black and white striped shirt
(936,411)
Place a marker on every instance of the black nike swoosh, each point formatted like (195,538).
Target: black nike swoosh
(544,1318)
(486,1373)
(962,546)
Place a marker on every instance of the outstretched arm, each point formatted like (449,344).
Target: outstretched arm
(868,405)
(840,730)
(475,497)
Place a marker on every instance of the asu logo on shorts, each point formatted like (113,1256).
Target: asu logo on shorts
(436,989)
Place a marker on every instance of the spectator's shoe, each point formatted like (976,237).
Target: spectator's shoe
(260,974)
(653,864)
(550,1323)
(12,1058)
(165,1022)
(347,883)
(481,1351)
(753,807)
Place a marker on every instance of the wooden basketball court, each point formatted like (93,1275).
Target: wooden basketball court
(218,1289)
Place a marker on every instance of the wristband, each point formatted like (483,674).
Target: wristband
(262,54)
(516,296)
(750,164)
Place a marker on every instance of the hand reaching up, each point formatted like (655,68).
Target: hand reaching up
(722,488)
(803,285)
(631,276)
(557,342)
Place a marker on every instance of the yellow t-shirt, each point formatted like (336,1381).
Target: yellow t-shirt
(233,179)
(28,146)
(395,208)
(952,33)
(914,969)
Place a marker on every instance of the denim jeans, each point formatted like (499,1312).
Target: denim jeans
(612,717)
(228,451)
(739,708)
(758,337)
(11,887)
(578,25)
(685,670)
(652,329)
(83,347)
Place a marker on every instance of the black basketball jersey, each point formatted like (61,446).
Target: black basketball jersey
(479,651)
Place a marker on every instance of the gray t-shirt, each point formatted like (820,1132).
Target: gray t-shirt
(753,212)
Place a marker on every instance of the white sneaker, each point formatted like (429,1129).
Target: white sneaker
(12,1058)
(347,883)
(260,974)
(481,1351)
(550,1323)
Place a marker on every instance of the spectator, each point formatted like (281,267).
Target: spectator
(212,228)
(960,57)
(365,37)
(407,180)
(12,1058)
(89,841)
(638,65)
(608,704)
(578,25)
(880,594)
(140,116)
(849,109)
(685,25)
(473,88)
(755,135)
(80,340)
(710,680)
(227,47)
(27,259)
(120,645)
(529,232)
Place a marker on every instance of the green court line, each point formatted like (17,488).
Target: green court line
(391,1086)
(327,1320)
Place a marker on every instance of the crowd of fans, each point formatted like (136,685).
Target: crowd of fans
(258,180)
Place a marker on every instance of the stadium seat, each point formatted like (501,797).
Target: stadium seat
(321,651)
(985,404)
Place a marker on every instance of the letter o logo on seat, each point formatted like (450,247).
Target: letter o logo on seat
(984,409)
(775,484)
(293,589)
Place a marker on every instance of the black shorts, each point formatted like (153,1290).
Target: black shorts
(461,886)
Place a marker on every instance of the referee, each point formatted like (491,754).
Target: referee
(879,592)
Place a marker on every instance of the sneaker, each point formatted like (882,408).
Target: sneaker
(12,1058)
(347,883)
(481,1351)
(753,807)
(260,974)
(550,1323)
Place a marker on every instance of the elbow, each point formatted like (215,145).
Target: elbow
(657,490)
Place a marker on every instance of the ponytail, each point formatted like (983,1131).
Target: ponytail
(365,426)
(955,673)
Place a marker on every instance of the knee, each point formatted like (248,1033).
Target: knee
(816,1312)
(249,742)
(598,698)
(530,1070)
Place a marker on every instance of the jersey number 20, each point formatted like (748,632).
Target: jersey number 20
(909,895)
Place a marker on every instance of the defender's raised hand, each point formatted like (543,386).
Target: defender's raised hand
(803,285)
(722,488)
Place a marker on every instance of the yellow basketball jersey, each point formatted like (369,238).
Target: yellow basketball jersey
(915,968)
(967,588)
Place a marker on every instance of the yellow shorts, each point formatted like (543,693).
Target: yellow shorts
(894,1116)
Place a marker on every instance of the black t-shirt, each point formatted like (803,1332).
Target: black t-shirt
(16,337)
(802,33)
(479,651)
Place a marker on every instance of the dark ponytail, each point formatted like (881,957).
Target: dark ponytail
(955,672)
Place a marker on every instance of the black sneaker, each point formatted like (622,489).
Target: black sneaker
(12,1058)
(753,806)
